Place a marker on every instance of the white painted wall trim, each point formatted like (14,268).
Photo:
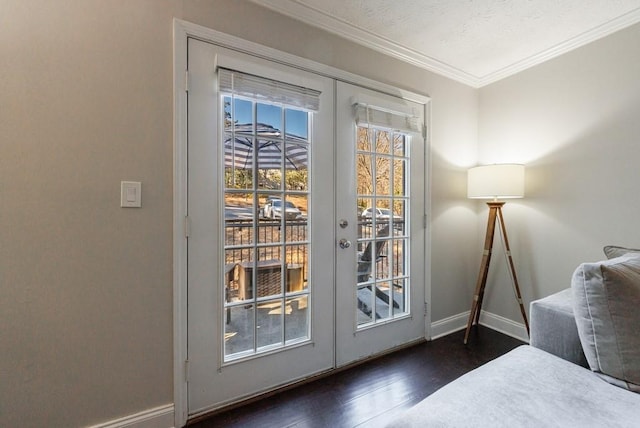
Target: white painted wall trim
(179,220)
(504,325)
(158,417)
(448,325)
(187,29)
(495,322)
(427,223)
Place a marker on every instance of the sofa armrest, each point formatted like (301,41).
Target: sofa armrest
(553,327)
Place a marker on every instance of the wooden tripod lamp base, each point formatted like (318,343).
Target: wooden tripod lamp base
(494,181)
(495,213)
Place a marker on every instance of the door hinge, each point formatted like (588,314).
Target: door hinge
(186,370)
(186,80)
(424,131)
(425,309)
(187,227)
(425,222)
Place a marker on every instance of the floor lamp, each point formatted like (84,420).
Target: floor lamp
(500,181)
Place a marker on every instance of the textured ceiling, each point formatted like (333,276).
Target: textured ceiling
(473,41)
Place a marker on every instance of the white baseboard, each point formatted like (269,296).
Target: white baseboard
(504,325)
(448,325)
(458,322)
(159,417)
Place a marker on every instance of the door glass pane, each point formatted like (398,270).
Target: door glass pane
(296,319)
(364,138)
(226,108)
(399,171)
(399,144)
(266,199)
(267,228)
(242,117)
(383,175)
(238,337)
(297,268)
(297,157)
(364,165)
(400,214)
(296,124)
(383,300)
(270,319)
(269,116)
(296,218)
(383,141)
(400,297)
(382,199)
(239,213)
(269,159)
(238,167)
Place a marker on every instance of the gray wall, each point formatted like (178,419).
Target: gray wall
(86,286)
(574,122)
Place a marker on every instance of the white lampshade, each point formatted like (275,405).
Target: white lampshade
(499,181)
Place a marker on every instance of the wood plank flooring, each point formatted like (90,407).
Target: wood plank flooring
(373,393)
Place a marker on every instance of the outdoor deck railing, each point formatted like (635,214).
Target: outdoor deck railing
(241,239)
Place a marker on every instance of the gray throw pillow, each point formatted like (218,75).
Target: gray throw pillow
(613,251)
(606,297)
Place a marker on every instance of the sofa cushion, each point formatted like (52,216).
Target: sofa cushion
(525,388)
(553,327)
(607,311)
(613,251)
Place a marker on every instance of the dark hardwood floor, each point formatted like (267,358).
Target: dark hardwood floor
(373,393)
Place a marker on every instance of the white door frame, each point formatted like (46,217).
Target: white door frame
(182,30)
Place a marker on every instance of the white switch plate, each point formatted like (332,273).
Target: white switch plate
(130,194)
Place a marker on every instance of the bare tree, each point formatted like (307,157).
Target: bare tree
(375,163)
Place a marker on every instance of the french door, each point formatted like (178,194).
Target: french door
(289,275)
(260,294)
(380,204)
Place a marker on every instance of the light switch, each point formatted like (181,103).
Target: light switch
(130,194)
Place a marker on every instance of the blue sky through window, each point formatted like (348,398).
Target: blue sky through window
(296,121)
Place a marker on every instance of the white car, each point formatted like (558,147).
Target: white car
(273,210)
(381,214)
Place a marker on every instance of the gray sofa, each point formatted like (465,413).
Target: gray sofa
(581,369)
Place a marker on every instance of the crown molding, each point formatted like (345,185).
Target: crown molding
(316,18)
(333,25)
(583,39)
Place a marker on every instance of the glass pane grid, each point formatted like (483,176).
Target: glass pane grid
(266,180)
(383,204)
